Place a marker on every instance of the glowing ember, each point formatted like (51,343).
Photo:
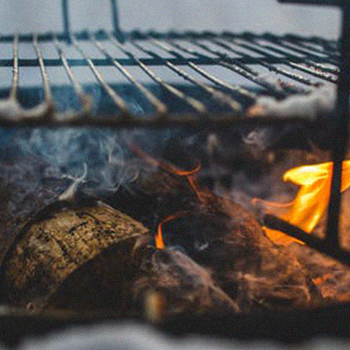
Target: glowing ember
(311,201)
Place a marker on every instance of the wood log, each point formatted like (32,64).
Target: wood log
(74,258)
(256,273)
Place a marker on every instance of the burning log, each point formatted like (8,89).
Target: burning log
(256,273)
(79,254)
(308,207)
(225,238)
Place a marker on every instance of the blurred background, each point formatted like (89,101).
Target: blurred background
(235,15)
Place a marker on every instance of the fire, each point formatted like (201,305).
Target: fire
(189,175)
(159,236)
(311,201)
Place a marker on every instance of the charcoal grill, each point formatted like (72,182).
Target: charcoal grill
(188,79)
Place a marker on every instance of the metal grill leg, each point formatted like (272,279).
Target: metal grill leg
(341,131)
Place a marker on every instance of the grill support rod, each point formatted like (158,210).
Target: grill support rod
(65,18)
(341,121)
(115,21)
(341,131)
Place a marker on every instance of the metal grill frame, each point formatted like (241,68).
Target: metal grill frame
(201,118)
(331,244)
(219,90)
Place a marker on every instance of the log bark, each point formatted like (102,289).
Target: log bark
(74,257)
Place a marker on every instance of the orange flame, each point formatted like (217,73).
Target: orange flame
(311,201)
(188,174)
(159,236)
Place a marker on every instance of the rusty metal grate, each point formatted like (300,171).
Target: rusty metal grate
(154,78)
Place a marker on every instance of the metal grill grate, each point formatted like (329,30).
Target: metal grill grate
(154,78)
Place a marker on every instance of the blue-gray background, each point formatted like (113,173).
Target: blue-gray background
(235,15)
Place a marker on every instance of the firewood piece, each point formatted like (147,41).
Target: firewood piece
(76,257)
(224,237)
(172,283)
(252,270)
(150,192)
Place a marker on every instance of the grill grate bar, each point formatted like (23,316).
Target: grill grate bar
(310,68)
(275,87)
(84,99)
(159,106)
(229,87)
(195,104)
(269,66)
(305,48)
(237,67)
(232,70)
(45,77)
(15,70)
(217,95)
(320,65)
(119,102)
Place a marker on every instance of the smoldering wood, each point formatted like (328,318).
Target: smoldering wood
(149,193)
(245,289)
(222,240)
(227,239)
(252,270)
(79,256)
(24,191)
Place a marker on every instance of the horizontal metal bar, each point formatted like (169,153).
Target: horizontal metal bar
(137,35)
(310,240)
(53,62)
(193,121)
